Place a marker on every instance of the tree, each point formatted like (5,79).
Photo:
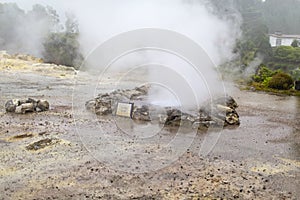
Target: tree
(295,43)
(255,39)
(63,47)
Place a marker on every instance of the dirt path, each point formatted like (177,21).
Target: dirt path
(258,160)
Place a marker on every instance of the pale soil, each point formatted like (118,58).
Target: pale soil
(258,160)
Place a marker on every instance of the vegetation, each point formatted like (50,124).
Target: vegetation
(273,69)
(295,43)
(273,81)
(40,33)
(281,81)
(63,47)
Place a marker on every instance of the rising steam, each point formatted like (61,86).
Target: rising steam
(197,20)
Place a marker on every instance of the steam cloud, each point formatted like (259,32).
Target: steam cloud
(100,20)
(198,20)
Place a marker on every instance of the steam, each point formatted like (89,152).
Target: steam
(197,20)
(100,20)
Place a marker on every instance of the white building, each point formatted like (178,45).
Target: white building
(279,39)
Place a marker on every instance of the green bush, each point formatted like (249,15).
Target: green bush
(63,48)
(281,81)
(296,74)
(263,73)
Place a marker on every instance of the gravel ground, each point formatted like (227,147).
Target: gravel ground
(258,160)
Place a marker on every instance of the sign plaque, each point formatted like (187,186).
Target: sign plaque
(124,109)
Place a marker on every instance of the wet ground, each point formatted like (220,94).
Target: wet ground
(66,153)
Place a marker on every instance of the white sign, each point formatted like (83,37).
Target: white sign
(124,109)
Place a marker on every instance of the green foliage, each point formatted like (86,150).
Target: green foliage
(266,82)
(295,43)
(63,47)
(282,15)
(267,78)
(287,54)
(39,32)
(263,75)
(281,81)
(255,39)
(296,74)
(261,18)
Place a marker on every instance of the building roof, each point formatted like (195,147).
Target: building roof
(279,35)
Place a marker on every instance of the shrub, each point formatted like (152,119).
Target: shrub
(281,81)
(263,73)
(296,74)
(62,49)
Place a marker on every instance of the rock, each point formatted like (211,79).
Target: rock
(230,102)
(25,107)
(90,105)
(218,112)
(175,117)
(42,105)
(106,104)
(232,119)
(103,105)
(141,113)
(10,106)
(162,118)
(222,111)
(224,108)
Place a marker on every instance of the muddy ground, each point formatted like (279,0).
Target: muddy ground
(51,155)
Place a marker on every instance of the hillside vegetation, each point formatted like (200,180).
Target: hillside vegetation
(39,32)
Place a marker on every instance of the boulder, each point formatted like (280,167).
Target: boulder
(42,105)
(11,105)
(141,113)
(103,105)
(176,117)
(25,107)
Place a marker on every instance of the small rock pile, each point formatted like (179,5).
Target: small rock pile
(221,112)
(25,106)
(105,104)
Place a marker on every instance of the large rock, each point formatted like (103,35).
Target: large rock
(42,105)
(222,111)
(25,107)
(141,113)
(11,105)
